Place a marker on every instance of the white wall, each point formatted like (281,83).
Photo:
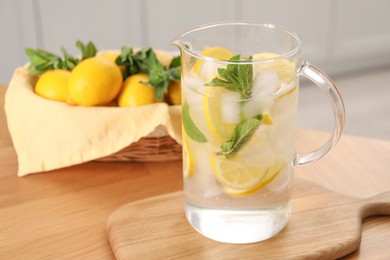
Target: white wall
(338,35)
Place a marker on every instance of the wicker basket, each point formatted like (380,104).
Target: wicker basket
(157,146)
(136,142)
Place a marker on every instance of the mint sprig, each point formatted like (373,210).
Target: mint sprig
(128,59)
(41,60)
(241,135)
(145,61)
(235,77)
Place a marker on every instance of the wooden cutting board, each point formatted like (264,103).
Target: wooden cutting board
(323,225)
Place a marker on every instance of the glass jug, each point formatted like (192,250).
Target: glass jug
(240,85)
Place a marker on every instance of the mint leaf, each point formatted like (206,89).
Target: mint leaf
(241,135)
(128,59)
(159,80)
(176,62)
(189,126)
(245,78)
(174,68)
(87,50)
(39,56)
(41,60)
(235,77)
(158,76)
(69,61)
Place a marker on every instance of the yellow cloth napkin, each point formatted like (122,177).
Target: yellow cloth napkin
(49,135)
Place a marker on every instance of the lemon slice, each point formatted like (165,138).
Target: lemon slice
(207,70)
(284,67)
(215,53)
(237,173)
(271,174)
(212,110)
(188,158)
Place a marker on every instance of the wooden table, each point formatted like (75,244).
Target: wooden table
(62,214)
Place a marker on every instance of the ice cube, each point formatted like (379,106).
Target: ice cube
(214,190)
(193,82)
(257,105)
(286,87)
(230,107)
(192,90)
(266,82)
(209,70)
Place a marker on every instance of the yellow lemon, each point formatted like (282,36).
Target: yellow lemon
(94,81)
(188,158)
(212,109)
(53,84)
(135,92)
(284,67)
(112,56)
(206,71)
(174,92)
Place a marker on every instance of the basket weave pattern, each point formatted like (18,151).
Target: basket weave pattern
(148,149)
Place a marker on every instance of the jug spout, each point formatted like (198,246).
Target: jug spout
(178,43)
(187,41)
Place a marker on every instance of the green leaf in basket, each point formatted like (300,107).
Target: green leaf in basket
(41,60)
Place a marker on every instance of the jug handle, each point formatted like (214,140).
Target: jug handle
(327,86)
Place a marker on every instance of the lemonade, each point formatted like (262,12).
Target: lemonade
(238,146)
(239,107)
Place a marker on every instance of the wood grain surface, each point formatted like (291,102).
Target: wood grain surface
(324,225)
(62,214)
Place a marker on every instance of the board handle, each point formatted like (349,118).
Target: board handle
(377,205)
